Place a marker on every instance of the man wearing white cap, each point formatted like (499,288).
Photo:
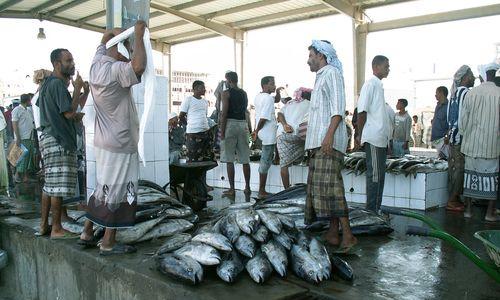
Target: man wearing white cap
(478,124)
(112,74)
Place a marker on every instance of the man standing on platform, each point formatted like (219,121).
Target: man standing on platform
(440,122)
(463,80)
(23,125)
(478,124)
(326,141)
(375,131)
(58,118)
(402,129)
(234,132)
(113,202)
(198,136)
(265,128)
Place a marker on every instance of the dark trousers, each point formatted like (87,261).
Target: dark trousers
(375,176)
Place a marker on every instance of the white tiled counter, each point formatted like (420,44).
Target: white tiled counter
(423,192)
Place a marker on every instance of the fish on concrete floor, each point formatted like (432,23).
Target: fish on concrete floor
(270,220)
(342,269)
(304,265)
(230,267)
(182,268)
(247,220)
(216,240)
(259,268)
(202,253)
(276,254)
(166,228)
(245,245)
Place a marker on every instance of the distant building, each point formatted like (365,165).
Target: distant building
(182,83)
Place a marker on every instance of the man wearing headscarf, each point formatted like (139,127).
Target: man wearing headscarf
(326,141)
(176,132)
(478,124)
(463,80)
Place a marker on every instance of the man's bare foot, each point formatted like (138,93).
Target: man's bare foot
(348,243)
(55,234)
(331,239)
(229,193)
(44,230)
(263,194)
(489,218)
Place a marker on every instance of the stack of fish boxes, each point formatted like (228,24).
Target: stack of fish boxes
(422,192)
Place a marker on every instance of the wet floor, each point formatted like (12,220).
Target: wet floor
(390,267)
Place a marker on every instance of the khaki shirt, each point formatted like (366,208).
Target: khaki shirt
(116,122)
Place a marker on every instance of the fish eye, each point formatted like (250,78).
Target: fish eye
(190,270)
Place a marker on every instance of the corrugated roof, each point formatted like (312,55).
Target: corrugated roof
(176,21)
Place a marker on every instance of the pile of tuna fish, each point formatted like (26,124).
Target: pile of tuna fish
(291,202)
(256,240)
(407,165)
(158,215)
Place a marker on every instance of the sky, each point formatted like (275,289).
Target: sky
(421,58)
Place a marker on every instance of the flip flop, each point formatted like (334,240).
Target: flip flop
(455,208)
(46,233)
(65,236)
(118,249)
(88,243)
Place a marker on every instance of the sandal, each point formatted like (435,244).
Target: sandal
(88,243)
(118,249)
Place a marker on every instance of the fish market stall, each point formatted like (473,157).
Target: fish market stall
(416,182)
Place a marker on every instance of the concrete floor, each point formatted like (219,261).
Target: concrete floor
(392,267)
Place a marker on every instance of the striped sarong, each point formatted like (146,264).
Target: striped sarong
(290,148)
(481,178)
(325,187)
(60,168)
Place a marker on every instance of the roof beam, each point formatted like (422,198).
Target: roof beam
(102,13)
(237,9)
(44,5)
(220,13)
(342,7)
(279,15)
(190,4)
(183,35)
(65,7)
(8,4)
(454,15)
(221,29)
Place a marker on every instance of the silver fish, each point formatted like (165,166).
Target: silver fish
(304,265)
(133,234)
(303,240)
(167,228)
(173,243)
(286,210)
(276,254)
(202,253)
(261,234)
(178,212)
(247,220)
(230,267)
(229,228)
(270,220)
(72,227)
(245,245)
(182,267)
(287,221)
(216,240)
(318,251)
(284,239)
(259,268)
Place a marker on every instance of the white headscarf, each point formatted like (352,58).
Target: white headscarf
(329,52)
(457,78)
(487,67)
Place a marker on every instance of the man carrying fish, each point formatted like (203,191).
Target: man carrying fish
(113,202)
(326,141)
(375,131)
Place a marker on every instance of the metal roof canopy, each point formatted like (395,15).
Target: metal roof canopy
(177,21)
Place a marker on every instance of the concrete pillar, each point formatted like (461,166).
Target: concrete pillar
(124,13)
(359,49)
(239,48)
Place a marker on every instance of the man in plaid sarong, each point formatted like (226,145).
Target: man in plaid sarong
(326,141)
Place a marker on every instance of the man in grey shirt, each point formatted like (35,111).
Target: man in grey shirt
(440,120)
(402,129)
